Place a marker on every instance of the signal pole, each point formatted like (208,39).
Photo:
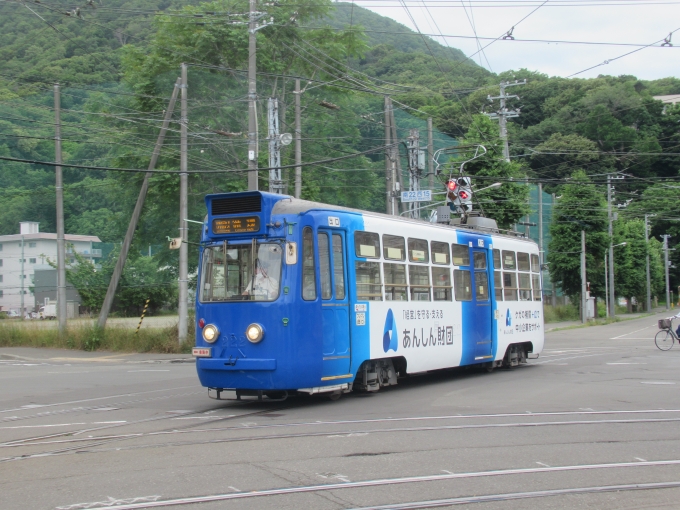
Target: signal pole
(183,214)
(503,114)
(61,247)
(665,263)
(252,98)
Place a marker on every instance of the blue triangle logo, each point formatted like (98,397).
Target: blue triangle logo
(390,336)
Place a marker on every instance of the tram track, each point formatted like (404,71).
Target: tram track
(382,482)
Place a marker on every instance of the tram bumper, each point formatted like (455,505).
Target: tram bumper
(236,364)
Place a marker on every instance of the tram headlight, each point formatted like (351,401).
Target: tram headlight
(210,333)
(254,333)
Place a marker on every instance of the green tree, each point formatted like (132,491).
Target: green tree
(630,261)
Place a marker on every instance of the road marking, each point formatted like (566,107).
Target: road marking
(573,357)
(638,458)
(59,425)
(109,501)
(656,382)
(626,334)
(131,371)
(541,464)
(626,363)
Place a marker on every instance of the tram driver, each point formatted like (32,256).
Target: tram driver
(264,286)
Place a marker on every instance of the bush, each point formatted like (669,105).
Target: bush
(560,313)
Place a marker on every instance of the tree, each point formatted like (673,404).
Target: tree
(630,261)
(580,208)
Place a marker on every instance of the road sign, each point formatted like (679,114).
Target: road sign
(424,195)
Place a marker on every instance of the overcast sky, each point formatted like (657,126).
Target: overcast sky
(617,21)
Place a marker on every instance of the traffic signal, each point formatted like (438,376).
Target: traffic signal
(452,190)
(465,194)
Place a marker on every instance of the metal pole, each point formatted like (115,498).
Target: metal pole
(665,263)
(583,277)
(540,232)
(606,289)
(22,278)
(137,212)
(612,299)
(183,214)
(649,280)
(298,142)
(413,180)
(61,246)
(275,182)
(502,124)
(252,98)
(430,154)
(553,299)
(389,182)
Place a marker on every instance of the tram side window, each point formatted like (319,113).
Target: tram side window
(460,254)
(441,283)
(417,251)
(395,282)
(367,275)
(440,253)
(419,280)
(339,266)
(497,259)
(479,259)
(324,265)
(509,260)
(524,286)
(535,267)
(509,286)
(367,245)
(536,280)
(308,269)
(523,261)
(498,285)
(482,285)
(394,248)
(462,285)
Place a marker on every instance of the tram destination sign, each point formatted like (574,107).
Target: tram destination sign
(236,225)
(423,195)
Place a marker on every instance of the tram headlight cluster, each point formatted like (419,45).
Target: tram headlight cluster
(210,333)
(254,333)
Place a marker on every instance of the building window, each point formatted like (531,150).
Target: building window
(1,294)
(32,245)
(32,277)
(0,247)
(31,261)
(0,262)
(0,278)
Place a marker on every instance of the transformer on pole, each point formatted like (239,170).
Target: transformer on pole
(503,113)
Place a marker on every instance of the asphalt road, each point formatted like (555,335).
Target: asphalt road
(593,423)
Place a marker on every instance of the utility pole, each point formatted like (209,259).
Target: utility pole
(396,160)
(252,97)
(389,163)
(553,298)
(583,277)
(298,142)
(665,263)
(610,215)
(606,289)
(503,114)
(649,279)
(183,213)
(137,212)
(23,276)
(414,168)
(430,155)
(275,182)
(59,186)
(540,233)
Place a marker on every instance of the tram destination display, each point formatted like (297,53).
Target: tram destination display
(236,225)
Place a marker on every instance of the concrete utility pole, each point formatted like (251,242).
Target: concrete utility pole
(298,142)
(649,279)
(23,276)
(252,97)
(553,298)
(61,246)
(665,263)
(583,278)
(540,233)
(183,214)
(430,155)
(399,185)
(389,182)
(275,182)
(414,169)
(606,288)
(137,212)
(612,299)
(503,114)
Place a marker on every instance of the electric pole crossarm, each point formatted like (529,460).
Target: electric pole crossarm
(125,248)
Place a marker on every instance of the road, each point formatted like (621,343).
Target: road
(593,423)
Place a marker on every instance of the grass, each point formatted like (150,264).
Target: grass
(88,338)
(560,313)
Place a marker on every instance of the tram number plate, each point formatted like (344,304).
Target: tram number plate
(236,225)
(361,319)
(201,352)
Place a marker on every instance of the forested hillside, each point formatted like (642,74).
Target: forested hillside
(117,62)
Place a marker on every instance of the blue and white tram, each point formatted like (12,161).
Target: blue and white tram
(297,296)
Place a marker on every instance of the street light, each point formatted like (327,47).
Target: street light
(494,185)
(606,288)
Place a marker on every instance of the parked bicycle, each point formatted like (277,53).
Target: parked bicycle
(666,336)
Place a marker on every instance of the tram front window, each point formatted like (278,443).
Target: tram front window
(235,273)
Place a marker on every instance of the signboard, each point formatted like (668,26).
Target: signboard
(236,225)
(423,195)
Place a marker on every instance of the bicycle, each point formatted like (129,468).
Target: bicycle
(664,339)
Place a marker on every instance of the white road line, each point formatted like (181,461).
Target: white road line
(385,481)
(59,425)
(626,334)
(573,357)
(656,382)
(132,371)
(622,363)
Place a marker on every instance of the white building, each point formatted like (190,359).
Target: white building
(21,254)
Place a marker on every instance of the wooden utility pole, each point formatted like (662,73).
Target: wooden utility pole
(61,246)
(252,98)
(298,141)
(183,214)
(125,248)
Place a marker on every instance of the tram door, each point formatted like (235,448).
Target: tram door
(481,305)
(334,303)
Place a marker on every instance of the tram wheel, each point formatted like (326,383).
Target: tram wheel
(335,396)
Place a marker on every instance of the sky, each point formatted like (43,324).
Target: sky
(604,21)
